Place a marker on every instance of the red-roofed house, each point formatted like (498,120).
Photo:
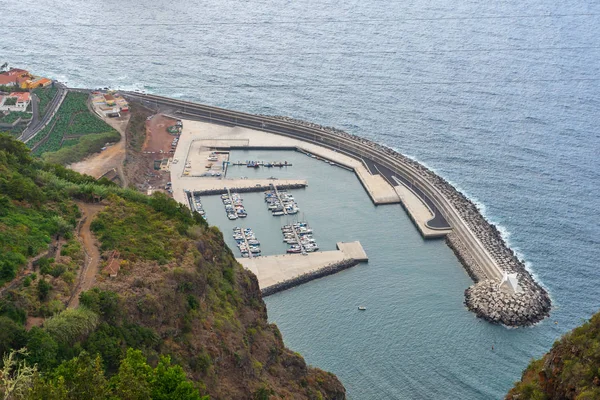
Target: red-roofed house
(113,265)
(14,77)
(22,100)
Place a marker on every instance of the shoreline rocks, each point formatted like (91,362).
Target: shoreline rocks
(484,298)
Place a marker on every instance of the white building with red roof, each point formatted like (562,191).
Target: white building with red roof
(21,101)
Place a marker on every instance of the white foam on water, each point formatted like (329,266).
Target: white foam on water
(505,234)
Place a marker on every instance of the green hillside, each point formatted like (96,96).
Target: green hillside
(182,320)
(570,370)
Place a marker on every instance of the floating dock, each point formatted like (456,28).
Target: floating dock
(281,272)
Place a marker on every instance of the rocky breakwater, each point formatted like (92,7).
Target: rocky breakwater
(496,304)
(486,298)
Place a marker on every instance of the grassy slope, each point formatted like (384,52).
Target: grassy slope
(570,370)
(180,291)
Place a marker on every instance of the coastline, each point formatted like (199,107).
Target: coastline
(476,242)
(484,298)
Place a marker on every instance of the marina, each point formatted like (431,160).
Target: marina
(258,164)
(477,243)
(247,242)
(194,202)
(299,236)
(280,202)
(234,207)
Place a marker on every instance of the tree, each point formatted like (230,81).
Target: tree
(43,289)
(133,380)
(169,382)
(15,376)
(42,348)
(83,378)
(42,389)
(12,335)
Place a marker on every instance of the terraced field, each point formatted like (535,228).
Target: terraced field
(72,119)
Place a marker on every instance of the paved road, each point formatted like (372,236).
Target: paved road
(36,125)
(35,108)
(437,222)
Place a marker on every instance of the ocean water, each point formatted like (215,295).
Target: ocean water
(500,98)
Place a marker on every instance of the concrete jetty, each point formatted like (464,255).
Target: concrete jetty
(212,187)
(476,242)
(281,272)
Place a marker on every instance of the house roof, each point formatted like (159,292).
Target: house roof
(7,79)
(21,96)
(12,76)
(114,264)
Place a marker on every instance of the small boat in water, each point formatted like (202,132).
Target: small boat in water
(362,308)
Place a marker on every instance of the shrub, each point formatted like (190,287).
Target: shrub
(43,289)
(72,324)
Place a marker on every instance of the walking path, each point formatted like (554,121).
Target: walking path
(87,274)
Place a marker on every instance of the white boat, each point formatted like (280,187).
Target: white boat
(362,308)
(232,216)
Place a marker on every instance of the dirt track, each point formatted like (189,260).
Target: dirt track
(87,275)
(98,164)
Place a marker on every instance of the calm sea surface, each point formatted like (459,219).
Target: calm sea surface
(500,98)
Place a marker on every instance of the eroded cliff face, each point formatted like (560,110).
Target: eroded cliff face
(570,370)
(208,312)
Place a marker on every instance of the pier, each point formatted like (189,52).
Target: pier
(281,272)
(246,241)
(218,186)
(279,198)
(250,255)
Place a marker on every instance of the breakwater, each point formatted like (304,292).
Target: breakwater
(485,298)
(477,243)
(309,276)
(247,189)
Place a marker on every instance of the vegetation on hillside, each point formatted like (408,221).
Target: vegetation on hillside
(84,132)
(13,116)
(182,320)
(570,370)
(45,95)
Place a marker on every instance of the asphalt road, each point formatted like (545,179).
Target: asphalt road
(37,123)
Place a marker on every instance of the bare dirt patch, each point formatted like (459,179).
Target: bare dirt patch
(98,164)
(157,137)
(33,321)
(146,136)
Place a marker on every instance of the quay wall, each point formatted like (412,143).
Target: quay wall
(248,189)
(299,280)
(476,242)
